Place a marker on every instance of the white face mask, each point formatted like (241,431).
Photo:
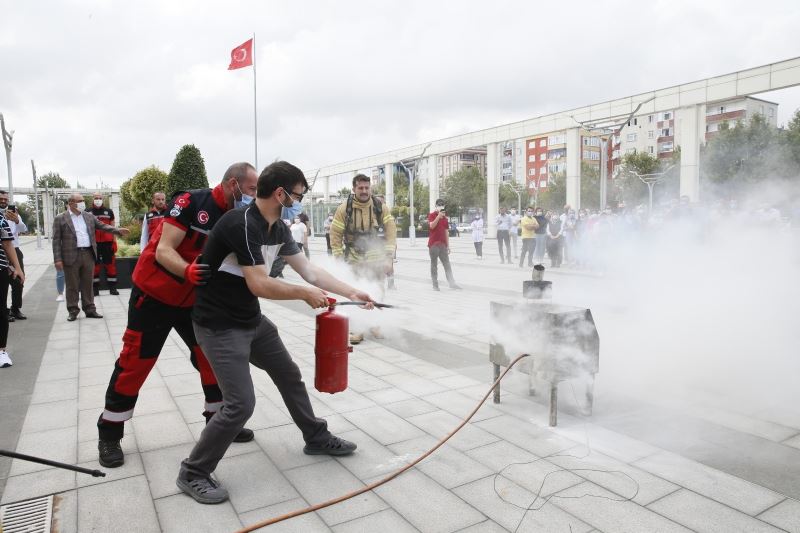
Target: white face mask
(440,208)
(98,202)
(81,206)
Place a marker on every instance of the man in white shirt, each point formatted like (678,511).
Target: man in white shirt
(514,231)
(17,225)
(503,221)
(75,250)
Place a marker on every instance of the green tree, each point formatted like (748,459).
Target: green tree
(628,187)
(422,193)
(464,189)
(590,186)
(188,171)
(554,196)
(50,180)
(137,192)
(508,198)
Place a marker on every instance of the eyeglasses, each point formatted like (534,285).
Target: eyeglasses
(298,197)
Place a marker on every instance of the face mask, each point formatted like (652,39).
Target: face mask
(81,206)
(98,203)
(440,208)
(297,221)
(246,199)
(291,212)
(529,213)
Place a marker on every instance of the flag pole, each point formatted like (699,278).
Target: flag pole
(255,108)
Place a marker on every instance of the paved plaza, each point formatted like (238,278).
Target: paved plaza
(621,469)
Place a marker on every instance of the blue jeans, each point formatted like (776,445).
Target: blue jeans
(60,281)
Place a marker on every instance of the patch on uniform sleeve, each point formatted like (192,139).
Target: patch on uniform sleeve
(202,217)
(183,200)
(175,211)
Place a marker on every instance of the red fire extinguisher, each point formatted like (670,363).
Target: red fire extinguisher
(331,348)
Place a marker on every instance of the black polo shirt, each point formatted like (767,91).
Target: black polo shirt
(242,237)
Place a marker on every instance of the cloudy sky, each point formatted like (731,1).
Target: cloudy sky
(98,90)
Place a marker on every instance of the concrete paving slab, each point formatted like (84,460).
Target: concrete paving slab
(439,423)
(371,459)
(253,482)
(161,466)
(55,391)
(447,466)
(724,488)
(383,397)
(54,444)
(785,515)
(132,468)
(181,514)
(461,405)
(160,430)
(413,384)
(322,481)
(36,484)
(387,520)
(382,425)
(707,516)
(307,523)
(284,446)
(534,438)
(412,407)
(427,505)
(511,511)
(53,415)
(604,510)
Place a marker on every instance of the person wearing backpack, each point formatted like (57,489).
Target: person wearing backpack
(363,234)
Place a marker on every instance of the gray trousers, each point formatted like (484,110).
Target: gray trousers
(78,276)
(230,352)
(438,252)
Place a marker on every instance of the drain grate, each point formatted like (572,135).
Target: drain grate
(29,516)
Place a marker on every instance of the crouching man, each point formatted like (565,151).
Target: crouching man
(234,334)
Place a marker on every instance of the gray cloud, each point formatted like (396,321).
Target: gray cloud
(100,90)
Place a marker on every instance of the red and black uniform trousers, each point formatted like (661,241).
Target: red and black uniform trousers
(149,324)
(106,257)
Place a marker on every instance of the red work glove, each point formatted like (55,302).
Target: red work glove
(197,273)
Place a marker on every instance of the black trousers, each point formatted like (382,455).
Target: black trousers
(149,324)
(4,281)
(16,286)
(478,248)
(438,252)
(328,243)
(503,237)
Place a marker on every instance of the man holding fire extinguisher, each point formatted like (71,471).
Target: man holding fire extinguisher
(233,333)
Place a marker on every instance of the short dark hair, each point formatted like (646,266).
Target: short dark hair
(280,174)
(360,177)
(3,192)
(440,201)
(237,170)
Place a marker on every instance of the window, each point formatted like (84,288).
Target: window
(650,150)
(542,157)
(771,112)
(591,155)
(542,170)
(635,121)
(631,137)
(543,183)
(666,132)
(650,119)
(630,151)
(557,168)
(542,143)
(556,139)
(531,145)
(532,172)
(650,134)
(531,158)
(721,109)
(665,147)
(667,115)
(591,141)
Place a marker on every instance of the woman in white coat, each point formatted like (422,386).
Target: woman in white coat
(477,235)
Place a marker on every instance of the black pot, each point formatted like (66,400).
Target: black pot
(125,266)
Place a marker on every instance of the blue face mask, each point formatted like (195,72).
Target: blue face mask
(290,212)
(246,199)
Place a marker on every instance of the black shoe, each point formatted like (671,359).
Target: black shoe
(72,317)
(110,453)
(17,314)
(113,291)
(93,314)
(11,318)
(245,435)
(96,289)
(334,446)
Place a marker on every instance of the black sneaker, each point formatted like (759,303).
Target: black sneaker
(334,446)
(111,455)
(113,291)
(204,489)
(245,435)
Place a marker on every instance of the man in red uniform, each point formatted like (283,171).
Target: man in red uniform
(106,246)
(162,297)
(153,219)
(439,245)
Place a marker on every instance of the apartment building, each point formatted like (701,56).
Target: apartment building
(447,164)
(546,157)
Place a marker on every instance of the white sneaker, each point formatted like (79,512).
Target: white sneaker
(60,298)
(5,360)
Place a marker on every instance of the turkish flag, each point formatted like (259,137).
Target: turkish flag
(242,55)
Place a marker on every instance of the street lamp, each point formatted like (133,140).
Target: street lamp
(412,228)
(650,180)
(8,137)
(519,196)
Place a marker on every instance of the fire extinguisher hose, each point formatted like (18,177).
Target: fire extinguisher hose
(371,486)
